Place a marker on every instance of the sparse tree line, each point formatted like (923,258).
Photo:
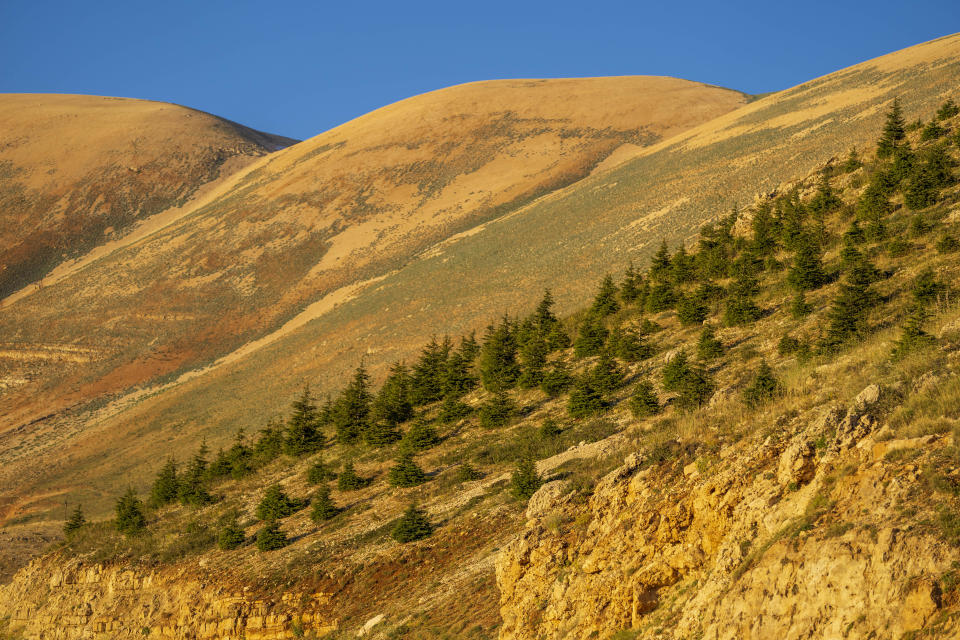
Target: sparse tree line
(585,360)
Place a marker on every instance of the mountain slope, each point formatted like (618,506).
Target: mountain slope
(74,169)
(355,203)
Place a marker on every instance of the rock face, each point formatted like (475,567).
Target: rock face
(778,539)
(53,601)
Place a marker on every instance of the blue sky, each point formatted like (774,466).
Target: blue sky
(299,68)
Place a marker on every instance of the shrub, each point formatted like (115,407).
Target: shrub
(525,480)
(412,525)
(270,537)
(947,244)
(764,387)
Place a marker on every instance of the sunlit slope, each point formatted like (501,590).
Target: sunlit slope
(354,203)
(78,170)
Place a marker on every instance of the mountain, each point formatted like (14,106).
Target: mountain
(298,230)
(76,171)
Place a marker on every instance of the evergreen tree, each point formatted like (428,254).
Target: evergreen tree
(926,288)
(192,485)
(932,131)
(74,522)
(498,411)
(932,173)
(740,308)
(525,480)
(231,534)
(765,232)
(683,266)
(630,285)
(644,401)
(276,504)
(352,413)
(323,506)
(556,379)
(913,337)
(348,480)
(420,437)
(606,376)
(429,373)
(660,263)
(947,110)
(807,272)
(166,487)
(452,410)
(498,358)
(129,514)
(319,472)
(413,525)
(269,444)
(392,405)
(714,248)
(847,317)
(459,377)
(585,399)
(239,457)
(605,302)
(406,472)
(763,387)
(852,163)
(549,429)
(947,244)
(662,296)
(592,337)
(692,384)
(302,436)
(826,199)
(629,346)
(799,307)
(270,537)
(708,346)
(691,309)
(894,131)
(533,357)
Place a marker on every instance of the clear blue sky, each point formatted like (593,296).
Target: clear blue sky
(298,68)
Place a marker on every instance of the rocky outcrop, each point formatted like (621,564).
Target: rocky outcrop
(797,535)
(53,599)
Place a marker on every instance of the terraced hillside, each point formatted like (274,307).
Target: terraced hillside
(301,228)
(76,171)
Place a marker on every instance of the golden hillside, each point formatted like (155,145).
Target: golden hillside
(76,171)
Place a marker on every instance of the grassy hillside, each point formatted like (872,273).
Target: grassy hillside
(843,280)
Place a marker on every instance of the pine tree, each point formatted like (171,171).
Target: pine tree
(533,357)
(592,337)
(319,472)
(413,525)
(466,473)
(392,405)
(826,199)
(913,337)
(302,436)
(192,485)
(549,429)
(498,358)
(323,505)
(352,414)
(525,480)
(932,131)
(406,472)
(947,110)
(420,437)
(691,309)
(74,522)
(740,308)
(606,376)
(239,456)
(894,131)
(129,514)
(799,307)
(662,296)
(270,537)
(585,399)
(231,534)
(765,232)
(630,285)
(348,480)
(629,346)
(556,379)
(682,266)
(498,411)
(847,317)
(429,373)
(605,302)
(269,444)
(926,288)
(692,384)
(452,410)
(852,163)
(644,401)
(807,273)
(459,379)
(276,504)
(660,263)
(708,346)
(166,488)
(763,387)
